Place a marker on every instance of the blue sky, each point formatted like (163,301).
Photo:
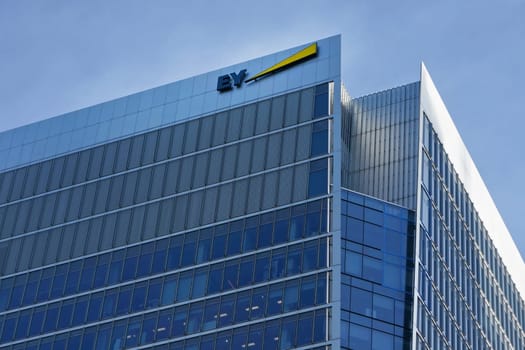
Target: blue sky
(58,56)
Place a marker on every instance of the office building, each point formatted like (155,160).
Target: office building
(257,206)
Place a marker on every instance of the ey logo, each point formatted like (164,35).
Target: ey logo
(226,82)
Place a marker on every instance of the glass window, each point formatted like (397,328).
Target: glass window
(288,333)
(154,291)
(215,280)
(262,268)
(361,301)
(231,271)
(291,296)
(133,332)
(226,310)
(51,318)
(199,283)
(195,317)
(179,321)
(305,329)
(169,290)
(184,287)
(149,327)
(242,308)
(36,321)
(278,263)
(308,292)
(360,337)
(246,271)
(210,314)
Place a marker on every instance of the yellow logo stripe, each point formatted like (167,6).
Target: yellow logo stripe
(301,55)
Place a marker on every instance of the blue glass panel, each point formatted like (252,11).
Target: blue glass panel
(51,318)
(184,287)
(95,305)
(81,307)
(154,291)
(199,283)
(179,321)
(133,332)
(23,325)
(164,325)
(234,243)
(265,236)
(360,337)
(215,280)
(262,268)
(144,264)
(100,276)
(110,302)
(36,321)
(226,310)
(169,290)
(229,281)
(66,312)
(148,329)
(288,333)
(103,337)
(305,327)
(88,340)
(124,301)
(130,268)
(242,308)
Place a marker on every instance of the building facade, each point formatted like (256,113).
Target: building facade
(254,207)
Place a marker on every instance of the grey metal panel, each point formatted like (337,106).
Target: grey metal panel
(274,151)
(240,192)
(191,136)
(254,199)
(229,162)
(209,205)
(259,154)
(248,120)
(304,136)
(288,149)
(277,114)
(234,125)
(382,148)
(263,117)
(205,132)
(270,190)
(224,202)
(292,109)
(219,134)
(245,157)
(284,194)
(201,170)
(300,184)
(195,209)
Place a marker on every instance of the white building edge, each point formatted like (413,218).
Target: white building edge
(436,111)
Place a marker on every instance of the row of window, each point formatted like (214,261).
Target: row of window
(170,142)
(218,312)
(145,184)
(191,284)
(188,211)
(377,266)
(196,247)
(459,258)
(278,334)
(454,203)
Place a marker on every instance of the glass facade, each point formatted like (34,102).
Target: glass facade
(281,214)
(377,273)
(211,233)
(466,297)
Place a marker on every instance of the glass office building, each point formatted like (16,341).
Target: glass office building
(258,206)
